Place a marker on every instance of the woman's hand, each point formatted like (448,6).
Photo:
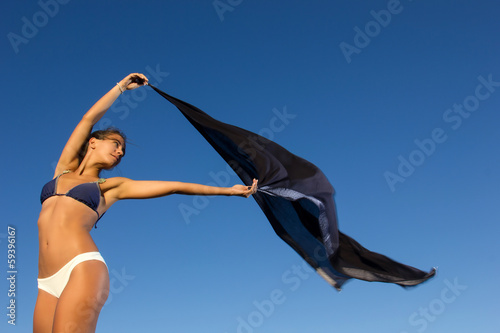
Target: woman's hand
(244,191)
(133,81)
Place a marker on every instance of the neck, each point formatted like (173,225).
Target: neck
(86,168)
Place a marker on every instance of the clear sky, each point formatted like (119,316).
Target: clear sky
(396,101)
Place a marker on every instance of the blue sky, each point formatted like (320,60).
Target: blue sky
(396,101)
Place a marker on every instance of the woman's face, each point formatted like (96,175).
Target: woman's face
(110,150)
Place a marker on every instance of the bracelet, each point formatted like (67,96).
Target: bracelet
(119,87)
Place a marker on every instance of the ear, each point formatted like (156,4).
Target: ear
(92,143)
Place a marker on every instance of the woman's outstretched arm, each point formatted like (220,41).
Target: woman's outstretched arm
(69,155)
(125,188)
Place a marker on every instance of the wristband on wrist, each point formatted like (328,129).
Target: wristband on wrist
(121,89)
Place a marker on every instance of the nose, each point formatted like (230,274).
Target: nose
(119,151)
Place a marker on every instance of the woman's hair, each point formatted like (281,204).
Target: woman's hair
(101,135)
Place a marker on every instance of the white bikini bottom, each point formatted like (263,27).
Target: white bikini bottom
(56,283)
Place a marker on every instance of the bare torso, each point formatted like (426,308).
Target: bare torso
(64,227)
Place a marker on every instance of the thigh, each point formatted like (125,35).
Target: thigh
(81,301)
(43,317)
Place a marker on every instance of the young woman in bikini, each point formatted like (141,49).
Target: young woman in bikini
(73,281)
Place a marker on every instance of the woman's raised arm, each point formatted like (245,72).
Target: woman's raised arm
(69,156)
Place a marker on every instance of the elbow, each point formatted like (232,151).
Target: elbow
(88,120)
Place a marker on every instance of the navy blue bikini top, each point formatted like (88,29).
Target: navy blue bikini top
(87,193)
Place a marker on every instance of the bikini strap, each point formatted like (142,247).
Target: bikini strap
(57,180)
(62,173)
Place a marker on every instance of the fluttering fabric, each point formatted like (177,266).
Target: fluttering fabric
(297,198)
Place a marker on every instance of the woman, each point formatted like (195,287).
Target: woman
(73,278)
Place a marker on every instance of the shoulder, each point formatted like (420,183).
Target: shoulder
(62,169)
(117,179)
(112,187)
(113,182)
(65,167)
